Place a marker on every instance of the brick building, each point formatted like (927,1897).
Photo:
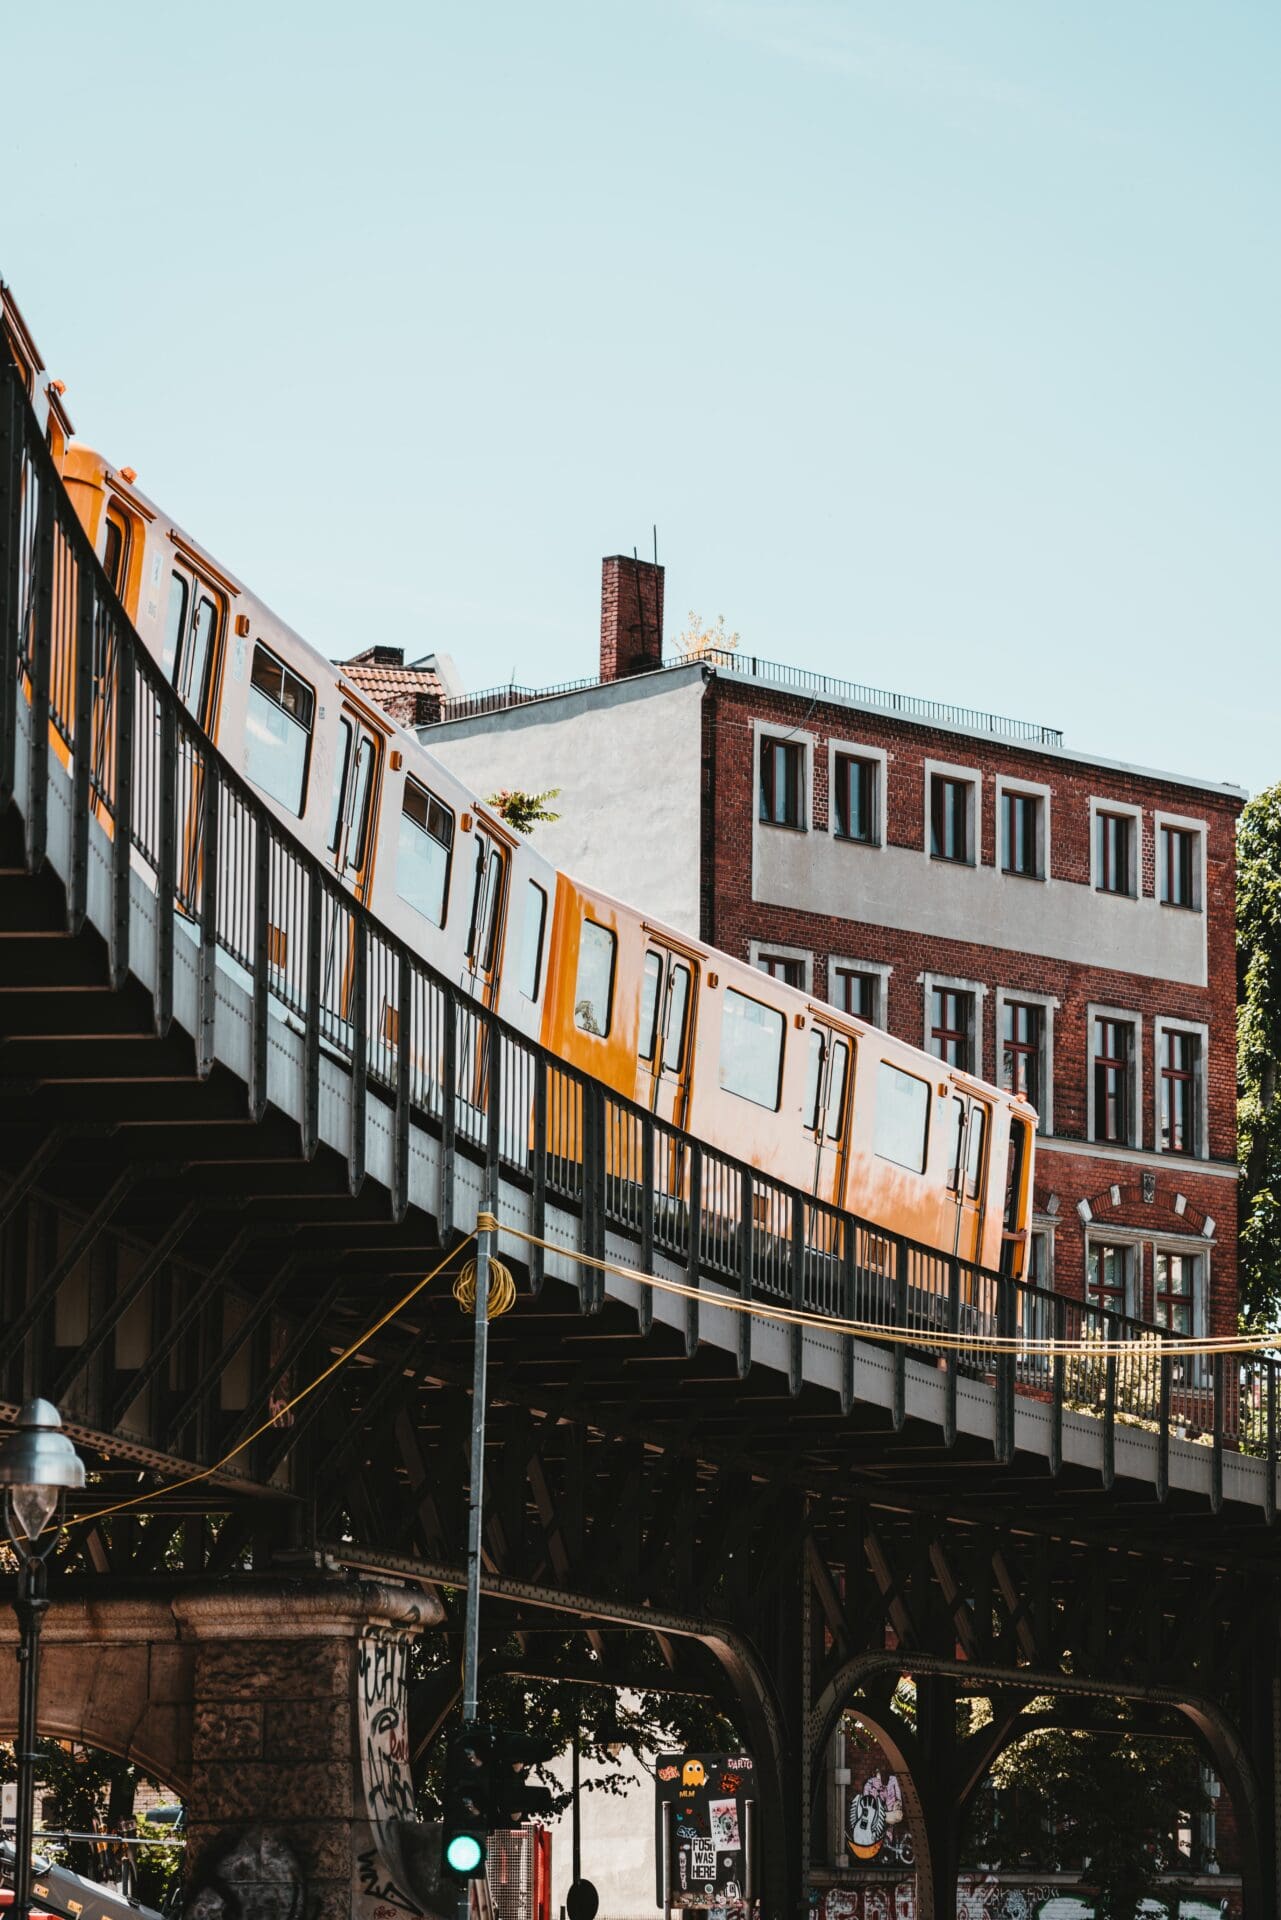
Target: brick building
(1029,912)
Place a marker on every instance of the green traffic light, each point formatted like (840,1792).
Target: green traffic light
(463,1853)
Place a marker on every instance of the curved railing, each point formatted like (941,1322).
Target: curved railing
(231,880)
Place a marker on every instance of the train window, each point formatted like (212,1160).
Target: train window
(956,1146)
(423,854)
(975,1153)
(278,730)
(824,1107)
(751,1050)
(176,622)
(902,1117)
(486,906)
(531,953)
(341,760)
(195,653)
(677,1017)
(115,552)
(594,991)
(1014,1174)
(650,985)
(360,804)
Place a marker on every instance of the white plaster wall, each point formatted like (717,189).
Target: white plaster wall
(627,759)
(617,1841)
(900,887)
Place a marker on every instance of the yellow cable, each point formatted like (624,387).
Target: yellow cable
(102,1513)
(502,1288)
(1146,1347)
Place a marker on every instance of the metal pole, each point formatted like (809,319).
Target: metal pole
(485,1226)
(577,1836)
(30,1605)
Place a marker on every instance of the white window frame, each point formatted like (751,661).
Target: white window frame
(1098,1233)
(1039,791)
(1045,1227)
(1198,1250)
(1185,824)
(757,949)
(1047,1003)
(1098,805)
(973,811)
(1200,1084)
(788,736)
(977,992)
(860,751)
(882,974)
(1094,1012)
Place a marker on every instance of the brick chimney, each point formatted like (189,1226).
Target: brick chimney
(631,616)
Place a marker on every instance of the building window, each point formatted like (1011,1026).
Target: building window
(1022,1050)
(1109,1276)
(854,798)
(1175,1290)
(951,819)
(782,774)
(780,966)
(1040,1259)
(858,992)
(1114,1102)
(1179,867)
(1179,1055)
(952,1027)
(1021,834)
(1114,852)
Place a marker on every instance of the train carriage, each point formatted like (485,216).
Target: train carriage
(807,1096)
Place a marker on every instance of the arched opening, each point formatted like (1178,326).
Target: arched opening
(103,1816)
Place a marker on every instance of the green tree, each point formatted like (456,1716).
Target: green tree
(1258,1052)
(1105,1804)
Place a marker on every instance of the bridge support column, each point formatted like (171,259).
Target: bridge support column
(301,1799)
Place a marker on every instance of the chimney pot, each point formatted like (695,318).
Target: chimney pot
(631,616)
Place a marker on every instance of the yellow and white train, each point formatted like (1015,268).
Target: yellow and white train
(811,1096)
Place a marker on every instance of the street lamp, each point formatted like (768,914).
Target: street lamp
(37,1465)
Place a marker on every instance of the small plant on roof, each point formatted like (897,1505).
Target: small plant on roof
(698,641)
(523,811)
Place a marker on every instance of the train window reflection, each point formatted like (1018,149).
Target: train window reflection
(423,853)
(531,946)
(902,1117)
(649,1007)
(974,1156)
(116,551)
(751,1050)
(361,798)
(594,989)
(176,622)
(341,760)
(278,730)
(677,1015)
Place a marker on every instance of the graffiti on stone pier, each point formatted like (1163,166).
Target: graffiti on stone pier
(252,1875)
(382,1872)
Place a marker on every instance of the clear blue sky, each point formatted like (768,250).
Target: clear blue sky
(939,339)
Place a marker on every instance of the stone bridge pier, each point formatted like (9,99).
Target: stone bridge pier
(276,1708)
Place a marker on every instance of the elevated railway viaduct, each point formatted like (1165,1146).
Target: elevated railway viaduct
(218,1174)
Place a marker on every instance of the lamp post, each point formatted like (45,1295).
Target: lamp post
(37,1465)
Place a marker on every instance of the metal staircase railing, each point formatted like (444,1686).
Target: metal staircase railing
(231,879)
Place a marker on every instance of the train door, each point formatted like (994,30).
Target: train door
(971,1124)
(827,1090)
(192,643)
(663,1048)
(483,952)
(352,814)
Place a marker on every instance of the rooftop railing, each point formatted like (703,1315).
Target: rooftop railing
(800,680)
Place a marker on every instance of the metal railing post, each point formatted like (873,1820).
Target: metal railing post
(122,812)
(746,1237)
(81,752)
(404,1059)
(694,1223)
(10,540)
(538,1196)
(359,1053)
(952,1359)
(898,1350)
(41,664)
(166,868)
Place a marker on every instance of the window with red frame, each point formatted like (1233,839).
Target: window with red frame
(856,992)
(1109,1276)
(950,835)
(1021,1043)
(1180,1061)
(1178,867)
(1114,852)
(1174,1288)
(1021,834)
(952,1027)
(1113,1080)
(782,773)
(782,967)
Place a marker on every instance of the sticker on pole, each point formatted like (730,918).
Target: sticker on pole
(703,1804)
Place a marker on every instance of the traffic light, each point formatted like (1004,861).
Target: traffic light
(513,1800)
(467,1812)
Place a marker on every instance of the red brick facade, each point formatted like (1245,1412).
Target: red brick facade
(1190,1206)
(631,616)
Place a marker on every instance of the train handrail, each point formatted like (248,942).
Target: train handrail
(143,756)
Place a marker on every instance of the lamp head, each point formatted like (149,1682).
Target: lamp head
(37,1463)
